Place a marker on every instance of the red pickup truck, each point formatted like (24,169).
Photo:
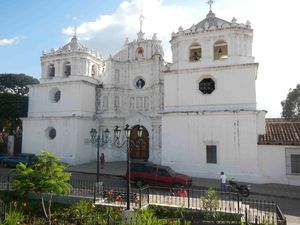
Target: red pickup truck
(149,173)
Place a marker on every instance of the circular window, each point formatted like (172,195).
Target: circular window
(140,83)
(207,86)
(55,94)
(52,133)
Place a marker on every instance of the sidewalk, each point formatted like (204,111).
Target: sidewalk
(119,169)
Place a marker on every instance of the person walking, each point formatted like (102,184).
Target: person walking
(223,180)
(102,160)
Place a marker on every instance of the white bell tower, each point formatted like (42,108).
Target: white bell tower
(62,107)
(210,121)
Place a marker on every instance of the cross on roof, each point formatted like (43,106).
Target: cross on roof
(75,31)
(141,21)
(210,2)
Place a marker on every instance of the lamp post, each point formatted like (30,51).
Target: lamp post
(117,133)
(97,140)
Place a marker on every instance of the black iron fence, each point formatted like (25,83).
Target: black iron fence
(2,210)
(253,211)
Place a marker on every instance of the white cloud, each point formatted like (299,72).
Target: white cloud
(10,41)
(108,32)
(274,45)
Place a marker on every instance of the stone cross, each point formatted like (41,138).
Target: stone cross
(141,21)
(210,2)
(75,31)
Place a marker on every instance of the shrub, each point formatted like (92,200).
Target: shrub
(14,215)
(210,200)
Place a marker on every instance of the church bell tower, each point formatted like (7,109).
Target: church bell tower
(62,107)
(210,121)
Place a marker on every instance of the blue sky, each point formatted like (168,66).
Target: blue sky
(38,25)
(29,26)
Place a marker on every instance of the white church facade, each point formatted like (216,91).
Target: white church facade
(198,113)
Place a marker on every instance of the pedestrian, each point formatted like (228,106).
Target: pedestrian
(223,180)
(182,192)
(102,160)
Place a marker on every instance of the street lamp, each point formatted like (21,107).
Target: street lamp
(117,133)
(97,140)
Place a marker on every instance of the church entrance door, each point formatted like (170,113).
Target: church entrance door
(139,149)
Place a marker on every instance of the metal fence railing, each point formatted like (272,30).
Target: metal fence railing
(253,211)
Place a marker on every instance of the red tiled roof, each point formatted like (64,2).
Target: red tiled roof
(280,132)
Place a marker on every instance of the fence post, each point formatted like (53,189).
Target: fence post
(182,219)
(238,202)
(8,182)
(188,197)
(95,192)
(3,209)
(246,216)
(148,195)
(140,202)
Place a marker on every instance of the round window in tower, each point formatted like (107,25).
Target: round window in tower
(207,86)
(140,83)
(51,133)
(55,95)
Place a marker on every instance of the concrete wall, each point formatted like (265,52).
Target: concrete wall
(186,135)
(71,143)
(273,162)
(77,98)
(234,89)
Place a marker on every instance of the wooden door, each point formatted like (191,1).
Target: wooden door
(139,148)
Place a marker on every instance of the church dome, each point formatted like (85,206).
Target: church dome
(74,45)
(211,21)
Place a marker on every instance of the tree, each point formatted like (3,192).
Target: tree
(14,99)
(12,107)
(45,177)
(291,105)
(16,83)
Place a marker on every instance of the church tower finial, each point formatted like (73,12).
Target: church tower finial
(141,21)
(140,33)
(210,2)
(75,31)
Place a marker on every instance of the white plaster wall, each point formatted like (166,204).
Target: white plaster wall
(272,162)
(185,137)
(234,89)
(77,98)
(71,141)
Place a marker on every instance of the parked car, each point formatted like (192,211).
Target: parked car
(2,157)
(14,160)
(148,173)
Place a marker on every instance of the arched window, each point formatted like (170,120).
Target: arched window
(139,53)
(51,70)
(220,50)
(140,50)
(195,52)
(67,69)
(94,70)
